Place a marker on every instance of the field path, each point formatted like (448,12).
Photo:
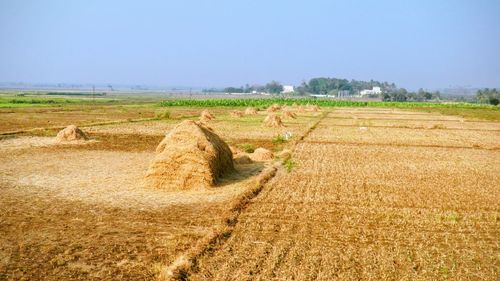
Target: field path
(370,210)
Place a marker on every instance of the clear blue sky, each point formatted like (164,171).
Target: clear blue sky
(415,44)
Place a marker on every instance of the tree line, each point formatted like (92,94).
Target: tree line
(344,88)
(334,86)
(273,87)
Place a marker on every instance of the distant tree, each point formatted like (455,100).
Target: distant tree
(233,90)
(274,87)
(491,96)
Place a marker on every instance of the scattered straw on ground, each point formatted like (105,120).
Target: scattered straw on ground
(236,113)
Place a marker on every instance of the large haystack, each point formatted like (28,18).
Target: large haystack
(250,111)
(273,108)
(289,114)
(262,154)
(273,121)
(206,116)
(236,113)
(190,156)
(71,133)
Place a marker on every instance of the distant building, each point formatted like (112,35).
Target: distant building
(287,89)
(373,91)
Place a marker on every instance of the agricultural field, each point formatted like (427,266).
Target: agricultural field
(370,192)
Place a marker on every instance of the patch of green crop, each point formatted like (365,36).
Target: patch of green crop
(264,102)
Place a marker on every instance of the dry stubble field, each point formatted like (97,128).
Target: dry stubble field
(375,194)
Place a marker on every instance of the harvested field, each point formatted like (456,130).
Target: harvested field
(368,193)
(354,211)
(415,124)
(69,214)
(81,115)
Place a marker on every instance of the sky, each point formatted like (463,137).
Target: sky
(214,43)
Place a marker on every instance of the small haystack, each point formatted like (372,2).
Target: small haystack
(242,158)
(206,116)
(273,121)
(71,133)
(285,154)
(289,114)
(236,113)
(189,157)
(273,108)
(250,111)
(262,154)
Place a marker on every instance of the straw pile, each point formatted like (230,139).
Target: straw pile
(71,133)
(273,108)
(273,121)
(285,154)
(190,156)
(262,154)
(289,114)
(206,116)
(250,111)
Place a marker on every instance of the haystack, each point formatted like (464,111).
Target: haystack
(273,108)
(242,158)
(273,121)
(262,154)
(236,113)
(250,111)
(71,133)
(289,114)
(206,116)
(189,157)
(285,154)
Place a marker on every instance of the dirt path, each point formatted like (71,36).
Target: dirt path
(370,211)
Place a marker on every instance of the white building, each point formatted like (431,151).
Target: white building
(287,89)
(373,91)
